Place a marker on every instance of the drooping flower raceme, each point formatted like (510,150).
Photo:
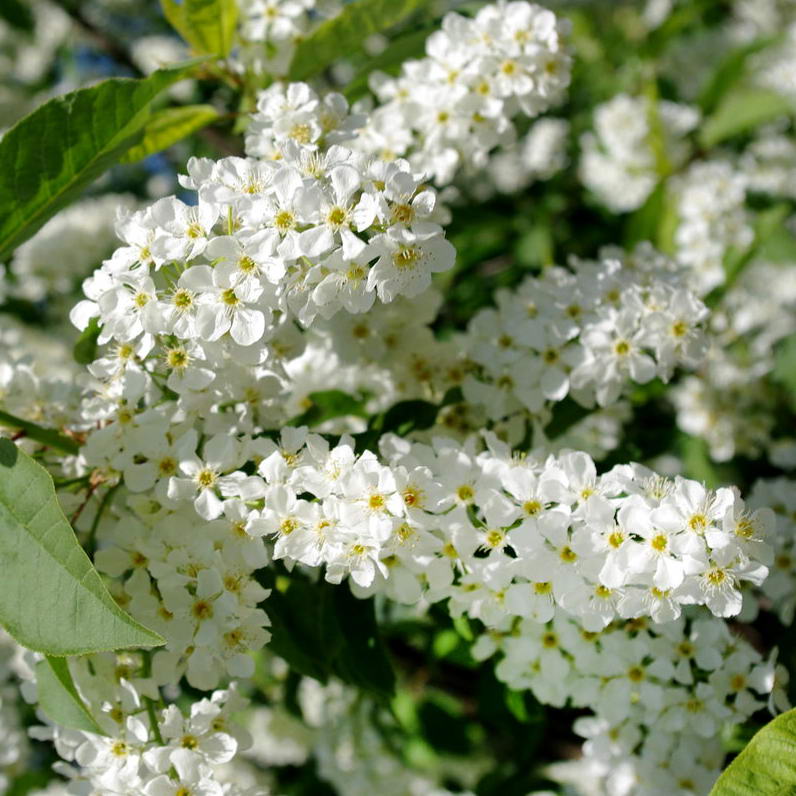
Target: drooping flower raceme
(585,333)
(447,111)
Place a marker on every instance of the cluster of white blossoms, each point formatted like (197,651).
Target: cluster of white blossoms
(496,536)
(779,588)
(538,155)
(67,248)
(730,401)
(49,394)
(146,748)
(447,111)
(769,163)
(660,694)
(712,218)
(270,29)
(306,266)
(728,405)
(586,331)
(354,757)
(192,582)
(319,229)
(636,140)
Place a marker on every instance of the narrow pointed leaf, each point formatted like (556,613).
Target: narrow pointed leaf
(50,156)
(52,599)
(59,699)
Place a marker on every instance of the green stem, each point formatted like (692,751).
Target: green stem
(153,720)
(63,483)
(92,534)
(46,436)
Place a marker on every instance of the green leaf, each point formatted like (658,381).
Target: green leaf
(207,25)
(389,60)
(729,71)
(346,33)
(46,436)
(69,612)
(767,766)
(169,126)
(741,111)
(323,631)
(59,698)
(85,349)
(52,154)
(326,405)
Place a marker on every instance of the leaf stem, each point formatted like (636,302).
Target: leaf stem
(92,534)
(153,720)
(46,436)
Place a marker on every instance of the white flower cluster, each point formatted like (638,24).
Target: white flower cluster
(728,405)
(780,586)
(447,111)
(730,401)
(661,694)
(495,536)
(335,727)
(67,248)
(353,756)
(146,749)
(776,67)
(192,583)
(270,30)
(584,332)
(208,287)
(39,380)
(635,142)
(769,164)
(538,155)
(712,218)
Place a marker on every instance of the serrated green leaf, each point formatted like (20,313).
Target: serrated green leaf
(58,697)
(52,154)
(69,612)
(169,126)
(207,25)
(346,33)
(767,766)
(741,111)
